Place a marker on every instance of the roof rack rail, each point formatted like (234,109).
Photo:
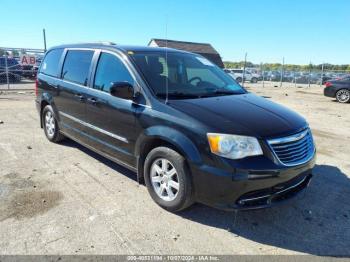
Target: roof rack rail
(107,43)
(101,43)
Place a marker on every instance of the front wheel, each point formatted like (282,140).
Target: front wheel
(168,179)
(343,96)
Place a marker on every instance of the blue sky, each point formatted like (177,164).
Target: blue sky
(300,31)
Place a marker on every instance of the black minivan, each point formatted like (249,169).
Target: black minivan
(187,129)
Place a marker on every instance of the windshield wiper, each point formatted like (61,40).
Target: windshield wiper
(221,92)
(225,91)
(177,95)
(189,95)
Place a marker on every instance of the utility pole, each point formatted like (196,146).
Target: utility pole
(44,35)
(262,73)
(309,83)
(282,69)
(7,71)
(245,64)
(322,74)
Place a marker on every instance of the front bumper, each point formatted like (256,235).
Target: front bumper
(249,189)
(274,195)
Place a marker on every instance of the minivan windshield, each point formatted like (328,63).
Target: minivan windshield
(184,75)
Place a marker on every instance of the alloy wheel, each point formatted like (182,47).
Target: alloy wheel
(164,179)
(343,96)
(50,124)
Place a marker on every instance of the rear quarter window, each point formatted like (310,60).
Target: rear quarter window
(50,64)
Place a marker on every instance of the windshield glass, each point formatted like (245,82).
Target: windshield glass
(184,75)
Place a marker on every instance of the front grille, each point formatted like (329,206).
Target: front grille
(294,150)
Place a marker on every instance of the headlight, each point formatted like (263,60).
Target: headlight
(234,146)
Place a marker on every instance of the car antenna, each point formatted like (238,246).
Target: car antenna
(166,60)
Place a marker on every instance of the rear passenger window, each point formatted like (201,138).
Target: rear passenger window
(110,69)
(51,62)
(76,66)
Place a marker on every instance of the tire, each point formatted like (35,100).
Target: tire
(254,80)
(343,96)
(160,163)
(239,79)
(50,125)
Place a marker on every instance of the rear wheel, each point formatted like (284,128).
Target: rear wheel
(254,80)
(50,125)
(343,96)
(168,180)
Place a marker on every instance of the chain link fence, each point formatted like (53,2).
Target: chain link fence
(283,76)
(18,68)
(287,78)
(300,78)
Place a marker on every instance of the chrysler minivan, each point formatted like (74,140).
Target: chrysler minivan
(188,130)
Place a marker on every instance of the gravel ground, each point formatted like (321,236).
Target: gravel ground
(65,199)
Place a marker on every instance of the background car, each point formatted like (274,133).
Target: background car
(14,69)
(288,76)
(274,76)
(339,89)
(237,74)
(301,78)
(28,71)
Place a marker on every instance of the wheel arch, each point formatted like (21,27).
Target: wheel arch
(45,100)
(163,136)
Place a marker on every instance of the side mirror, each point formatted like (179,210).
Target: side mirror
(123,90)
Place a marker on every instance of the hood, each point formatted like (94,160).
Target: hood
(245,114)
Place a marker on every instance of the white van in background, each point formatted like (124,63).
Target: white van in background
(237,74)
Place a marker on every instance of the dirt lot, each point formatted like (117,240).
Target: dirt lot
(64,199)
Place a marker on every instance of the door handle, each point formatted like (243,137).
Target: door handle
(79,96)
(92,100)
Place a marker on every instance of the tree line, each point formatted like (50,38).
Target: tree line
(289,67)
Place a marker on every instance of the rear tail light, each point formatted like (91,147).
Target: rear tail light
(36,86)
(328,84)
